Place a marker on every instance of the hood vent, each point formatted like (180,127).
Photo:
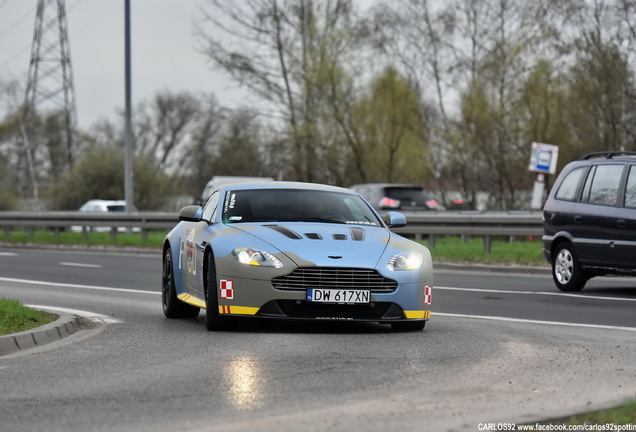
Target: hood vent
(357,234)
(285,231)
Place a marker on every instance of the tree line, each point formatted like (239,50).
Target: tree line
(445,94)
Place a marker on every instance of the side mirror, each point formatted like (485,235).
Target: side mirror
(191,213)
(395,219)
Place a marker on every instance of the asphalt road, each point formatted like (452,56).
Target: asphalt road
(500,347)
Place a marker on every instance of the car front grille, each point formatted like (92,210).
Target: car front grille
(334,277)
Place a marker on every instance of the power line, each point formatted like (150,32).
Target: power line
(19,21)
(16,55)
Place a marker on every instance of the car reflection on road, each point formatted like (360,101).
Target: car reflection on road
(244,377)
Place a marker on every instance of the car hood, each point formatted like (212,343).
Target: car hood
(323,244)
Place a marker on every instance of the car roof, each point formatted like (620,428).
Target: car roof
(384,185)
(107,202)
(612,155)
(285,185)
(601,157)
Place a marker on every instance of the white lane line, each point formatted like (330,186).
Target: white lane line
(93,316)
(72,264)
(519,320)
(432,313)
(89,287)
(558,294)
(8,254)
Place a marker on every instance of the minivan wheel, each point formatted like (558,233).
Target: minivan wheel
(567,272)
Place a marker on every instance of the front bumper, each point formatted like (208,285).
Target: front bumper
(258,298)
(304,310)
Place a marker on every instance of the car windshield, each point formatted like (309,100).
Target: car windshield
(295,205)
(415,195)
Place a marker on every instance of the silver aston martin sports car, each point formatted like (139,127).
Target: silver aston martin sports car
(296,251)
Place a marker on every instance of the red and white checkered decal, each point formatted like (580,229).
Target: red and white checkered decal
(227,289)
(428,294)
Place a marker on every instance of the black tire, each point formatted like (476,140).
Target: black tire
(567,272)
(213,319)
(172,306)
(408,325)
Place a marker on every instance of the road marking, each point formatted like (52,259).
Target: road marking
(527,321)
(89,287)
(72,264)
(559,294)
(9,254)
(93,316)
(596,326)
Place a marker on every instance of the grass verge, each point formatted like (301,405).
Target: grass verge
(608,419)
(525,251)
(95,238)
(15,317)
(623,415)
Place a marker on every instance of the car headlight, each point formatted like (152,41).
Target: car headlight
(405,261)
(256,258)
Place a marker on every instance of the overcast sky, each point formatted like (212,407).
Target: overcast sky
(164,55)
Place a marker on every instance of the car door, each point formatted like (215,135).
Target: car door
(625,230)
(594,217)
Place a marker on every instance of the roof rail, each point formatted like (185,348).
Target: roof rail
(607,154)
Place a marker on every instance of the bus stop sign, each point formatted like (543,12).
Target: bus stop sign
(543,158)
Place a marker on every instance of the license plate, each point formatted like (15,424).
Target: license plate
(339,296)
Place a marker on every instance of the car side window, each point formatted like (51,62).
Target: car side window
(567,190)
(209,211)
(630,189)
(602,184)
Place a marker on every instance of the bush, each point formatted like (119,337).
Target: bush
(100,175)
(8,201)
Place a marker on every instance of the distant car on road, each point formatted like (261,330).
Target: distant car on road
(104,206)
(590,219)
(295,251)
(100,206)
(218,181)
(396,196)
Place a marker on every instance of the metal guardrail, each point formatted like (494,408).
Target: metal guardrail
(420,224)
(473,224)
(87,222)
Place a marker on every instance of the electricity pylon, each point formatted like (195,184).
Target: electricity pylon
(50,92)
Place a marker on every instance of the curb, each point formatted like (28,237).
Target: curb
(66,325)
(492,268)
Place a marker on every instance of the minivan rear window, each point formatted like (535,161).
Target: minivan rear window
(567,189)
(630,190)
(602,184)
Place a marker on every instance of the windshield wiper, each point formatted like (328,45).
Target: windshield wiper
(318,219)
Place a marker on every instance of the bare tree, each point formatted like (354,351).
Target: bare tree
(283,51)
(163,127)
